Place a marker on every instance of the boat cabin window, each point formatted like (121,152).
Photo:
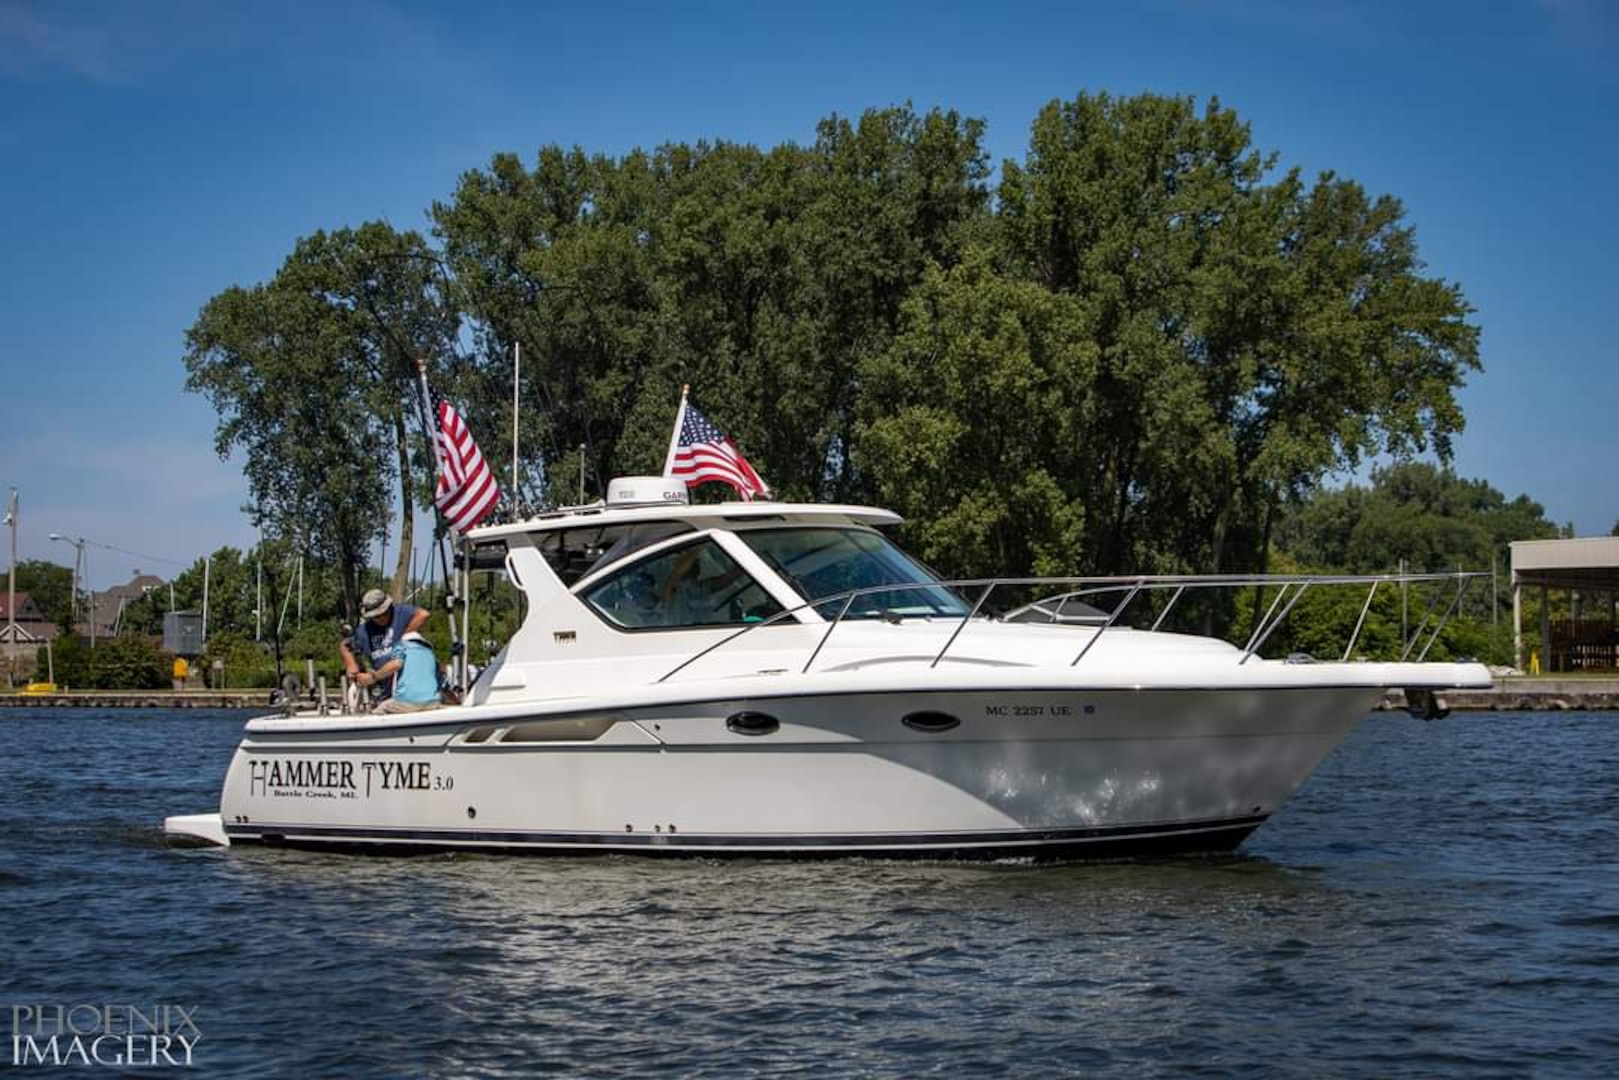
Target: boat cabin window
(696,584)
(573,553)
(824,562)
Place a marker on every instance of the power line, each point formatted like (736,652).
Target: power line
(136,554)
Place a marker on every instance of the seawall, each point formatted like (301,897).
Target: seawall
(1530,694)
(141,699)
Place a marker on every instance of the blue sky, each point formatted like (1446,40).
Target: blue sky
(156,153)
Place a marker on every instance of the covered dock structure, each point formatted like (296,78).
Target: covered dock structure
(1584,634)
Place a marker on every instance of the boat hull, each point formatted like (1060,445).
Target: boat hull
(985,774)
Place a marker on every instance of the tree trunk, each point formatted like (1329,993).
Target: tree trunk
(407,509)
(1222,526)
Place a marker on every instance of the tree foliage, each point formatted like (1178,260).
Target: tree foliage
(763,278)
(1148,349)
(1426,519)
(1413,513)
(1251,337)
(313,376)
(126,662)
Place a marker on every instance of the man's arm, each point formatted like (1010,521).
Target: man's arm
(386,671)
(418,619)
(350,665)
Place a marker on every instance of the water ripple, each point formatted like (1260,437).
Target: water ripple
(1438,901)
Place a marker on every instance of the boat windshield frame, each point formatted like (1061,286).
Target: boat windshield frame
(881,564)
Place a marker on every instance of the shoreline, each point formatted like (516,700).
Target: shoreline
(1592,693)
(140,699)
(1528,693)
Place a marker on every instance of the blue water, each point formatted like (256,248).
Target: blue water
(1440,900)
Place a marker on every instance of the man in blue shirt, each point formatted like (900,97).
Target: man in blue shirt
(386,623)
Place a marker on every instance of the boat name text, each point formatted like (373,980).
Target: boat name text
(328,778)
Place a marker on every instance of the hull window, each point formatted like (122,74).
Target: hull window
(581,729)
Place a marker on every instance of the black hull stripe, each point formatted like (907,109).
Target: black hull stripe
(1097,842)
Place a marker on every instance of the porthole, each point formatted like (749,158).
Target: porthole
(930,722)
(752,723)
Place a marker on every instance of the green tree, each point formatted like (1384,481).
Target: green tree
(1148,350)
(761,278)
(127,662)
(1417,513)
(974,421)
(69,657)
(1422,516)
(1251,336)
(314,379)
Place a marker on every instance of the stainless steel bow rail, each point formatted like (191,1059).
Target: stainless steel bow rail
(1290,588)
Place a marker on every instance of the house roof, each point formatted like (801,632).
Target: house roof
(27,632)
(135,588)
(27,610)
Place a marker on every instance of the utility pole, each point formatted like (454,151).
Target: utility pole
(207,564)
(78,576)
(258,594)
(1495,593)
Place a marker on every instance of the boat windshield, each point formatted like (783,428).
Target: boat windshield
(820,562)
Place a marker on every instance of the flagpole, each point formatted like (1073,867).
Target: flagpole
(425,403)
(674,436)
(517,367)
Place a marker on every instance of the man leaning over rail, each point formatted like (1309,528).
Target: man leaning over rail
(386,624)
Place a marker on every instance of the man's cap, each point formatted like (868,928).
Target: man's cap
(375,602)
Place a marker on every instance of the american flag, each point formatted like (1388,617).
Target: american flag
(703,452)
(467,491)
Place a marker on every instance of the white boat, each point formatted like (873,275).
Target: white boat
(770,679)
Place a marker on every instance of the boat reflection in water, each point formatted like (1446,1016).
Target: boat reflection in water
(779,679)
